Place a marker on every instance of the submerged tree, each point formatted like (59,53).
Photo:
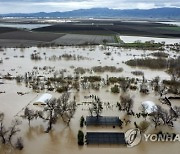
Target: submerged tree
(126,103)
(6,134)
(80,138)
(29,115)
(97,107)
(19,144)
(162,116)
(56,108)
(3,130)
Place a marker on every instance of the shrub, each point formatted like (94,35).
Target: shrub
(107,53)
(82,121)
(133,87)
(115,89)
(80,138)
(19,144)
(35,56)
(92,78)
(148,62)
(160,54)
(101,69)
(62,89)
(138,73)
(116,80)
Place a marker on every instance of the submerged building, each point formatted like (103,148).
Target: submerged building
(149,106)
(43,99)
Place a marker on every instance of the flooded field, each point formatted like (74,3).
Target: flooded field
(63,62)
(23,26)
(131,39)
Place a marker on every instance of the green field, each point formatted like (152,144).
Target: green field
(175,28)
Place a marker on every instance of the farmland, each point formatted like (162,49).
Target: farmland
(79,32)
(112,27)
(78,39)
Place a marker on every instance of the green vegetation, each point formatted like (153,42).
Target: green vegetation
(80,138)
(149,45)
(62,89)
(115,89)
(35,56)
(126,104)
(107,53)
(171,82)
(132,87)
(149,63)
(92,78)
(138,73)
(80,70)
(143,126)
(116,79)
(101,69)
(175,28)
(82,121)
(56,79)
(117,39)
(160,54)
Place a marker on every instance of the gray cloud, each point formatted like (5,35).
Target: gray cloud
(27,6)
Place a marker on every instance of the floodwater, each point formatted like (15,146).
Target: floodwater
(131,39)
(63,139)
(22,26)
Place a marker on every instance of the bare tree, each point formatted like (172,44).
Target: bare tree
(51,115)
(155,115)
(29,115)
(125,85)
(13,129)
(91,111)
(96,107)
(56,108)
(3,130)
(126,103)
(6,134)
(162,116)
(66,108)
(19,144)
(143,109)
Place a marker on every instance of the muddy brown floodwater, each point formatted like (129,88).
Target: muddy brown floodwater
(63,139)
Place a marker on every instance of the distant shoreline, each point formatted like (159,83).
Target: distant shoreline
(82,32)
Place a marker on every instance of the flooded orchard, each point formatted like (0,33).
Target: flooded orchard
(85,72)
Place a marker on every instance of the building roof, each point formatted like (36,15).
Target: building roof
(105,138)
(43,99)
(149,106)
(103,120)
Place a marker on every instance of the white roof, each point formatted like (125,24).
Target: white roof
(43,99)
(149,106)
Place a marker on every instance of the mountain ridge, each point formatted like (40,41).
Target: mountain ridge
(165,13)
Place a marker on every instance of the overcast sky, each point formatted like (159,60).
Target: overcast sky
(28,6)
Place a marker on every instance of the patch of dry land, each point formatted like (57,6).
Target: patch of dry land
(83,77)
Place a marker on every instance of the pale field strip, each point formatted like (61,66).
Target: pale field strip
(76,39)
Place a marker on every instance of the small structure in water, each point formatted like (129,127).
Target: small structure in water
(149,106)
(43,99)
(105,138)
(144,88)
(103,120)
